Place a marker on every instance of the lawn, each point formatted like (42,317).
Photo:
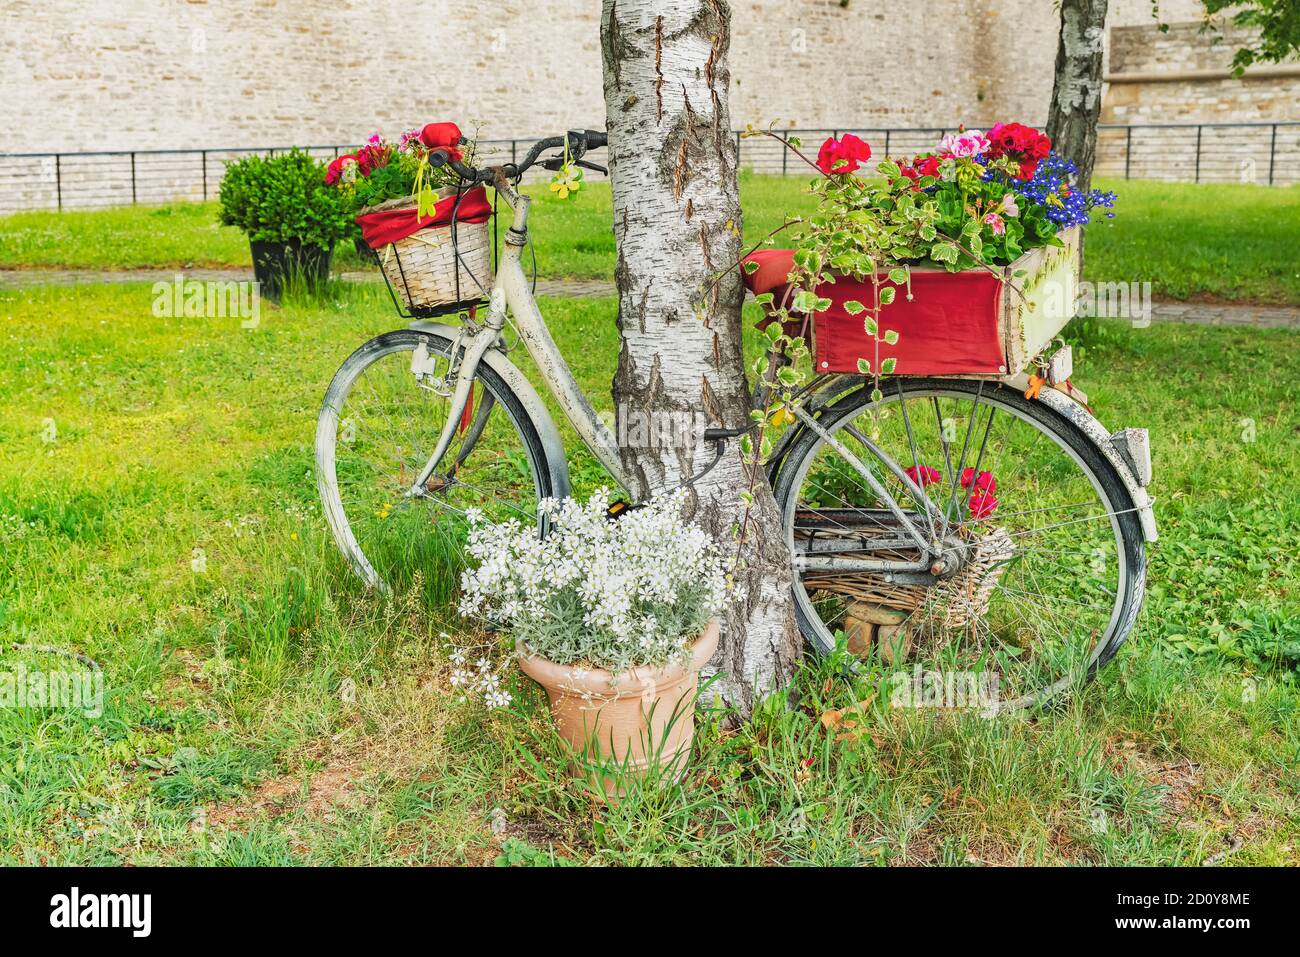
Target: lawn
(1234,242)
(158,513)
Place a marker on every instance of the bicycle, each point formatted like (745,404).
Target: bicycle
(424,424)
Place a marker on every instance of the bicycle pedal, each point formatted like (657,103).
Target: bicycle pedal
(619,508)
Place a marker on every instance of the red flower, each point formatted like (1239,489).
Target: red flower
(443,136)
(370,158)
(982,504)
(335,169)
(985,483)
(923,475)
(844,155)
(1027,168)
(1022,143)
(921,166)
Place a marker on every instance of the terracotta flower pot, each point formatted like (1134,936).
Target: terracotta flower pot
(626,722)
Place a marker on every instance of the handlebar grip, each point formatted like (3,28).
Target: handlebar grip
(596,139)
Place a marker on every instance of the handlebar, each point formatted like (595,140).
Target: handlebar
(578,141)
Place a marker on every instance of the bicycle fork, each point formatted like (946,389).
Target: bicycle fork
(466,371)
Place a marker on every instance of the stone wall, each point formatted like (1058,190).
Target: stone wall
(149,74)
(1183,76)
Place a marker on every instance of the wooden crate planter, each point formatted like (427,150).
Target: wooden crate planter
(967,323)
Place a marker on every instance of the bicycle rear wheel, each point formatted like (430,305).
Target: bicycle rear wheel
(381,418)
(1053,560)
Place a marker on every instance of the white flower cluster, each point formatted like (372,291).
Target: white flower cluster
(614,594)
(481,679)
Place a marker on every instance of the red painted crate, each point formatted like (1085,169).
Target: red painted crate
(956,323)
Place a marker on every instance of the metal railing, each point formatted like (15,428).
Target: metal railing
(1264,153)
(1261,152)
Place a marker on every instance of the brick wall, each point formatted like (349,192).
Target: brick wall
(146,74)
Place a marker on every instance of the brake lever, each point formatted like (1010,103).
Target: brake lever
(595,167)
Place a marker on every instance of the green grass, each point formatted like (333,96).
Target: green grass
(260,709)
(129,237)
(1233,242)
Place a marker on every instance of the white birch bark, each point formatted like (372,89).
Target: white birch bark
(677,222)
(1076,92)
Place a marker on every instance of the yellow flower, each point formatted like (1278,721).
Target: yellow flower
(566,180)
(562,186)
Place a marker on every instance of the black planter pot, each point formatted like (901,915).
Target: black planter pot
(277,265)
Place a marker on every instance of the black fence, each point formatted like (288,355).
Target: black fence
(1261,153)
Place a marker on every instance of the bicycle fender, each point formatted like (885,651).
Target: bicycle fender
(552,444)
(1096,433)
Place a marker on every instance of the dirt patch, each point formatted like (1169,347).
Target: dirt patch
(393,730)
(1180,784)
(180,686)
(318,794)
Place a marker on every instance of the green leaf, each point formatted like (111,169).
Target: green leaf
(876,395)
(891,337)
(887,366)
(870,326)
(805,301)
(853,307)
(944,252)
(751,266)
(864,367)
(898,275)
(886,295)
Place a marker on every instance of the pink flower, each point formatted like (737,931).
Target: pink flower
(985,483)
(965,143)
(1009,207)
(994,220)
(923,475)
(982,504)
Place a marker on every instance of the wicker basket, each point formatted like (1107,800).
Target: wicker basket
(947,605)
(438,266)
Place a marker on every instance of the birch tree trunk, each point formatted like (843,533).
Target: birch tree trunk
(677,220)
(1076,93)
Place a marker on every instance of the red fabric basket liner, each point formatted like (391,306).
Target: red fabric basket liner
(386,226)
(950,327)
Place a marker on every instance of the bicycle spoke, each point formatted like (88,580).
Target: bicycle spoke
(1039,565)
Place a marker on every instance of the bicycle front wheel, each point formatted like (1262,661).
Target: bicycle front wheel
(1047,547)
(379,423)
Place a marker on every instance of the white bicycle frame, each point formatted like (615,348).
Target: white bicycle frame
(512,297)
(511,294)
